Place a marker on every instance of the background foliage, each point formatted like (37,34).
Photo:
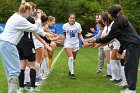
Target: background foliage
(85,10)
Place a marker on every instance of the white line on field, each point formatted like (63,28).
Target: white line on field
(54,61)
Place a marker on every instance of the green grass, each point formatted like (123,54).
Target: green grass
(87,80)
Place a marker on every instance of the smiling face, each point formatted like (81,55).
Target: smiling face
(71,19)
(52,22)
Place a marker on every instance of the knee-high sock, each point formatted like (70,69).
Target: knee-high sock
(123,74)
(49,62)
(115,69)
(21,78)
(12,84)
(71,64)
(27,75)
(74,62)
(37,69)
(32,77)
(44,66)
(108,69)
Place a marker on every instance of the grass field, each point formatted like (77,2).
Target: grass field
(87,80)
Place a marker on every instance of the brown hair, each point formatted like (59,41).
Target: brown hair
(51,18)
(24,6)
(44,17)
(72,14)
(32,4)
(119,8)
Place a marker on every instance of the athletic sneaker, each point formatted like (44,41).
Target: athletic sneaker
(122,84)
(38,79)
(37,83)
(20,90)
(33,90)
(108,76)
(117,81)
(127,91)
(72,76)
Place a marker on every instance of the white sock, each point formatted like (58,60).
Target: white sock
(27,75)
(37,69)
(44,66)
(74,62)
(12,84)
(108,69)
(115,69)
(123,74)
(71,64)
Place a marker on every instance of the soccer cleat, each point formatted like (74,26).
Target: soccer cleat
(127,91)
(112,79)
(72,76)
(33,90)
(69,74)
(117,81)
(99,72)
(108,76)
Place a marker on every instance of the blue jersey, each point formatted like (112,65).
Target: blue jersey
(96,31)
(53,29)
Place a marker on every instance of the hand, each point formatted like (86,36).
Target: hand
(48,47)
(119,56)
(92,29)
(99,45)
(53,45)
(85,43)
(93,40)
(88,34)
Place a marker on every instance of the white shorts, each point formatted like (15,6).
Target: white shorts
(74,47)
(37,44)
(106,48)
(116,44)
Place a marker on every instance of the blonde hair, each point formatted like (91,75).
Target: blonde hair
(51,18)
(24,6)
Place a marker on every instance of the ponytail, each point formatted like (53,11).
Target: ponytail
(24,6)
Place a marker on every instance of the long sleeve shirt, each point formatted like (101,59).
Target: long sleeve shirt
(15,27)
(127,36)
(96,31)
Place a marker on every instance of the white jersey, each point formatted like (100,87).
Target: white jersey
(72,31)
(105,32)
(15,27)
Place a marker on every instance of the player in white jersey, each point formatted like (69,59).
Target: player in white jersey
(72,33)
(106,48)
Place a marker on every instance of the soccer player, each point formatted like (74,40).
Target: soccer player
(72,33)
(14,30)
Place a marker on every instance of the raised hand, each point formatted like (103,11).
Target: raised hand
(88,34)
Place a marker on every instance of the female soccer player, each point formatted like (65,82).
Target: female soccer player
(14,30)
(72,33)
